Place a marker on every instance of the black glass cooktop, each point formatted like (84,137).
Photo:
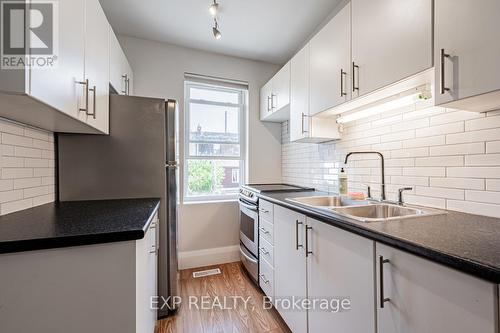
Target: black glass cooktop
(259,188)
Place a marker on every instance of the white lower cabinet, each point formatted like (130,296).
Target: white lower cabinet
(81,289)
(422,296)
(289,266)
(340,267)
(384,290)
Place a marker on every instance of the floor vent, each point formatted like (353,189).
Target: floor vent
(207,272)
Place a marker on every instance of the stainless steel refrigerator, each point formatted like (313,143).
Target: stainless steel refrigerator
(138,159)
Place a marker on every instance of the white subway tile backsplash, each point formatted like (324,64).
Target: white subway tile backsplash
(425,171)
(483,196)
(483,160)
(27,173)
(440,192)
(474,136)
(454,116)
(493,184)
(474,172)
(440,129)
(461,183)
(460,149)
(482,123)
(474,207)
(493,147)
(440,161)
(450,157)
(425,142)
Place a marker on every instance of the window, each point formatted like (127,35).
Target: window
(214,141)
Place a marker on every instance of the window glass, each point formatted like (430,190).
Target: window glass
(214,147)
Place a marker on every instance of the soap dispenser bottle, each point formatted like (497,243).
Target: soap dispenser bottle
(342,182)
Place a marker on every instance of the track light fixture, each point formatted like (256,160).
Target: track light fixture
(216,30)
(213,9)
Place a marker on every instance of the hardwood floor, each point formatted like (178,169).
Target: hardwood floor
(234,316)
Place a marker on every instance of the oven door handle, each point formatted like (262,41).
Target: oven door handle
(247,205)
(252,260)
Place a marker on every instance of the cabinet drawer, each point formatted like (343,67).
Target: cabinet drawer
(266,210)
(266,231)
(266,251)
(266,278)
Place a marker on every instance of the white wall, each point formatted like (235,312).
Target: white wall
(159,72)
(27,171)
(451,158)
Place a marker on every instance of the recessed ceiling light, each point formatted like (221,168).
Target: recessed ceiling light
(213,8)
(216,30)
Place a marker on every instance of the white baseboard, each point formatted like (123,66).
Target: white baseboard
(207,257)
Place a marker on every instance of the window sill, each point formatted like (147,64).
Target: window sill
(208,201)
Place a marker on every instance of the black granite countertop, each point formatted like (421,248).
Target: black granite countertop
(468,243)
(71,223)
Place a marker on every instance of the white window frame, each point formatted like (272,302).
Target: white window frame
(242,105)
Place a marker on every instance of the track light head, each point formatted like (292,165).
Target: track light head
(214,8)
(216,31)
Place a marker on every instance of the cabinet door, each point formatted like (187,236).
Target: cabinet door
(117,64)
(468,31)
(290,265)
(265,100)
(281,88)
(427,297)
(97,64)
(331,63)
(58,86)
(340,266)
(391,40)
(299,95)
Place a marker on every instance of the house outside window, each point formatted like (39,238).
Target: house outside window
(214,146)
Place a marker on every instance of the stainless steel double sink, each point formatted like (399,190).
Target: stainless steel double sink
(363,210)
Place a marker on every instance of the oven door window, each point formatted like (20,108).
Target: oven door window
(247,226)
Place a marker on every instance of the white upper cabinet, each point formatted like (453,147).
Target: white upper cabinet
(340,265)
(422,296)
(330,63)
(299,95)
(265,100)
(275,97)
(58,86)
(97,65)
(280,96)
(120,72)
(467,53)
(391,40)
(302,126)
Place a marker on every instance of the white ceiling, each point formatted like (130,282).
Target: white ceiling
(267,30)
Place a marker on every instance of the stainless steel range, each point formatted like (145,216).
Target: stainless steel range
(249,221)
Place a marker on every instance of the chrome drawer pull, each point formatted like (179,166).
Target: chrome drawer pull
(263,277)
(264,231)
(264,251)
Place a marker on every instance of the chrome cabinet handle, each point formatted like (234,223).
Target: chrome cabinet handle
(307,241)
(94,91)
(297,245)
(268,103)
(302,126)
(381,262)
(153,249)
(125,77)
(354,68)
(443,88)
(342,74)
(153,225)
(263,277)
(86,84)
(272,101)
(128,86)
(264,251)
(262,210)
(264,231)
